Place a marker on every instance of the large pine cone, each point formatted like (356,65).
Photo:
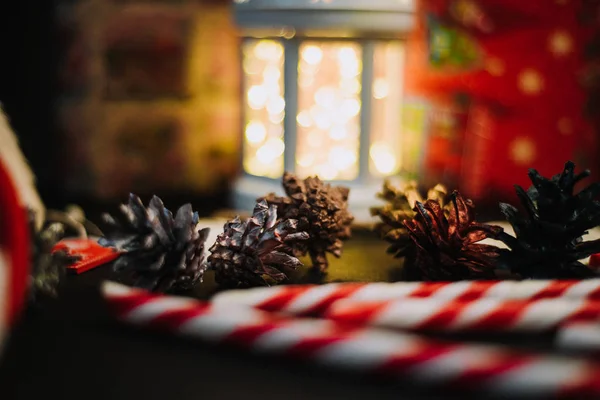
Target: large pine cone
(161,253)
(255,252)
(48,266)
(446,246)
(321,210)
(554,198)
(399,207)
(549,236)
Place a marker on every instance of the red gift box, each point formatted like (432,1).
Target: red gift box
(525,77)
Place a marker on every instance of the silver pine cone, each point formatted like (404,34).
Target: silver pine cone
(161,252)
(255,252)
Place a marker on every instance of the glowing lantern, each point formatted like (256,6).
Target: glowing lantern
(323,94)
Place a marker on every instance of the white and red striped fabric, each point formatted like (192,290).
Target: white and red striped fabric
(316,299)
(488,314)
(14,253)
(488,369)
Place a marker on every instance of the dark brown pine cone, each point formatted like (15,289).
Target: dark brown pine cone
(549,235)
(446,246)
(255,252)
(161,253)
(321,210)
(48,267)
(399,207)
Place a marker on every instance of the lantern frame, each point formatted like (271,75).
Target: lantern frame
(290,23)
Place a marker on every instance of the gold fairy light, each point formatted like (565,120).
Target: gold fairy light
(328,108)
(255,132)
(265,111)
(385,132)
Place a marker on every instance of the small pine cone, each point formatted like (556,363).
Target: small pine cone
(321,211)
(446,247)
(399,207)
(255,252)
(161,253)
(48,267)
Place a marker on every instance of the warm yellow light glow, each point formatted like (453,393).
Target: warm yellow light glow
(277,118)
(350,107)
(381,88)
(325,97)
(255,132)
(322,118)
(306,81)
(338,132)
(271,74)
(306,160)
(315,139)
(276,130)
(251,67)
(391,138)
(276,105)
(383,158)
(272,149)
(265,107)
(351,86)
(257,97)
(327,172)
(268,50)
(349,63)
(347,55)
(312,55)
(276,145)
(304,119)
(328,109)
(341,158)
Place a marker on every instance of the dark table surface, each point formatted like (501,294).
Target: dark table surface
(70,348)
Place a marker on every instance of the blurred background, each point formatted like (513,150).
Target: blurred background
(210,101)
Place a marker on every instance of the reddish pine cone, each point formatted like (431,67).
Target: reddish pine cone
(446,247)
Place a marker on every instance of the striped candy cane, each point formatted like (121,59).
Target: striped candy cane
(315,299)
(14,252)
(365,350)
(579,336)
(495,315)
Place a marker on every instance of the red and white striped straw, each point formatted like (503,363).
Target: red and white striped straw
(392,354)
(315,299)
(492,315)
(579,336)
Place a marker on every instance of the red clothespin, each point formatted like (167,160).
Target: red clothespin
(90,253)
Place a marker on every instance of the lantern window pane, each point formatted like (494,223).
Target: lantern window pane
(264,107)
(386,108)
(329,106)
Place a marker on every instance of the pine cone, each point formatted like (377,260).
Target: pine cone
(554,197)
(161,253)
(445,246)
(48,267)
(321,211)
(399,207)
(255,252)
(549,237)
